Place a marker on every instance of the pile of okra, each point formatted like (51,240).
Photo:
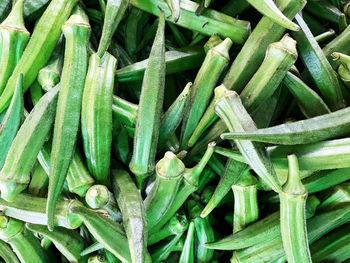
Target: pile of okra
(190,131)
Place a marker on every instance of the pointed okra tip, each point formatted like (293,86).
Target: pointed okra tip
(170,166)
(97,196)
(294,186)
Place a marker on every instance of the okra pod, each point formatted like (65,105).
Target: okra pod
(39,181)
(125,111)
(7,254)
(174,6)
(162,250)
(343,69)
(187,253)
(76,31)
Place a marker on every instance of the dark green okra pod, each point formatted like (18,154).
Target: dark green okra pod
(13,39)
(39,49)
(134,215)
(76,31)
(187,254)
(26,146)
(215,62)
(96,115)
(151,101)
(99,197)
(293,224)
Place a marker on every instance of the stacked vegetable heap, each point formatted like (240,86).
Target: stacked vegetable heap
(126,123)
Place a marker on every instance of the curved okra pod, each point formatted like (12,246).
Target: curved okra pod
(96,115)
(269,9)
(176,225)
(189,185)
(99,197)
(326,36)
(259,231)
(187,253)
(67,241)
(39,48)
(215,62)
(11,121)
(169,172)
(331,125)
(233,113)
(13,39)
(107,232)
(233,172)
(317,64)
(310,103)
(344,67)
(7,254)
(246,203)
(151,101)
(293,224)
(173,116)
(133,211)
(76,31)
(115,10)
(125,111)
(26,146)
(25,245)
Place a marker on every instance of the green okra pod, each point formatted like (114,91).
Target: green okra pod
(246,204)
(233,171)
(148,36)
(26,247)
(213,41)
(4,9)
(39,181)
(26,146)
(176,61)
(215,62)
(151,101)
(335,196)
(169,172)
(107,232)
(317,64)
(11,121)
(293,224)
(269,9)
(96,115)
(67,241)
(7,254)
(39,48)
(99,197)
(115,10)
(162,250)
(174,6)
(328,126)
(134,214)
(35,92)
(98,259)
(187,254)
(323,37)
(309,102)
(125,111)
(13,39)
(344,67)
(76,31)
(233,113)
(208,23)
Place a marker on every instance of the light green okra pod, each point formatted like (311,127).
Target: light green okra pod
(7,253)
(26,146)
(76,31)
(344,67)
(293,223)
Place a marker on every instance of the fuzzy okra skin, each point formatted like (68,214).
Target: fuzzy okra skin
(76,31)
(134,215)
(13,39)
(232,112)
(96,115)
(293,224)
(26,146)
(12,121)
(39,48)
(214,63)
(151,101)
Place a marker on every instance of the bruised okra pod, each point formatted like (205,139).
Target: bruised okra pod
(246,203)
(293,223)
(176,225)
(134,215)
(96,115)
(67,241)
(99,197)
(11,121)
(215,62)
(187,253)
(233,113)
(76,31)
(25,245)
(26,146)
(189,185)
(13,39)
(169,171)
(150,105)
(40,46)
(344,67)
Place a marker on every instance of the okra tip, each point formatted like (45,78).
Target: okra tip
(97,196)
(170,166)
